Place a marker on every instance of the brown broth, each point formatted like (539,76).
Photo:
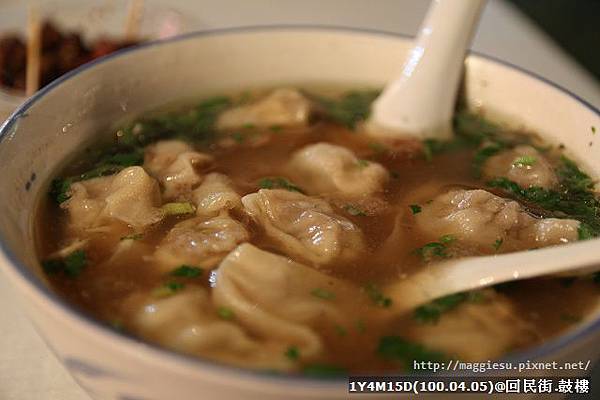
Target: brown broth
(102,289)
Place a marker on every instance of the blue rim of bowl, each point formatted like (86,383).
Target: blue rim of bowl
(193,361)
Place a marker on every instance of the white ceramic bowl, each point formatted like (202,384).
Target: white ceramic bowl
(75,109)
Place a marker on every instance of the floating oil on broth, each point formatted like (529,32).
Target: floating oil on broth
(116,263)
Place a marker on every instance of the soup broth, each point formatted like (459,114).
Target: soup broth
(266,230)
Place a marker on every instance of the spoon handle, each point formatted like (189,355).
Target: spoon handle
(420,102)
(464,274)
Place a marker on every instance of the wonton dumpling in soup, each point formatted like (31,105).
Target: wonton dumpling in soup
(200,241)
(188,322)
(282,107)
(215,194)
(523,165)
(477,330)
(305,227)
(178,168)
(478,217)
(131,196)
(324,168)
(272,297)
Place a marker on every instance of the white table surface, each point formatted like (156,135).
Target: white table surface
(28,371)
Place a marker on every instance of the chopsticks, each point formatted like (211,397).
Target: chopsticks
(34,44)
(134,18)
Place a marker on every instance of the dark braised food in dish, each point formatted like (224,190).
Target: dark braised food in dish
(61,52)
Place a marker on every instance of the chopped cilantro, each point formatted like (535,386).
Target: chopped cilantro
(59,189)
(133,236)
(238,137)
(168,289)
(584,232)
(362,163)
(524,161)
(377,296)
(292,353)
(278,183)
(71,265)
(415,208)
(225,313)
(406,352)
(323,370)
(276,128)
(572,178)
(178,208)
(354,211)
(187,271)
(497,244)
(195,125)
(483,154)
(378,148)
(350,108)
(445,239)
(432,250)
(323,294)
(340,330)
(431,312)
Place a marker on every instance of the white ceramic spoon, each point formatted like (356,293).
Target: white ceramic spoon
(464,274)
(420,102)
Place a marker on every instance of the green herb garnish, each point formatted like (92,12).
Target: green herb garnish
(225,313)
(431,312)
(362,163)
(445,239)
(432,250)
(278,183)
(483,154)
(323,370)
(178,208)
(133,236)
(377,296)
(71,265)
(354,211)
(292,353)
(187,271)
(340,330)
(238,137)
(378,148)
(195,125)
(350,108)
(497,244)
(168,289)
(415,208)
(406,352)
(524,161)
(323,294)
